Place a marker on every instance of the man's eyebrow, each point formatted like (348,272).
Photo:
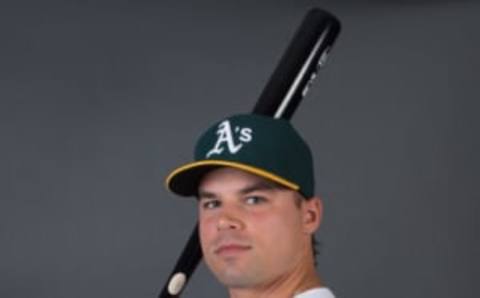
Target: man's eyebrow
(257,186)
(260,185)
(202,194)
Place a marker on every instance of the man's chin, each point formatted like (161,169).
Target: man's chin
(233,277)
(236,281)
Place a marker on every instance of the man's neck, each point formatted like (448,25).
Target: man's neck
(286,286)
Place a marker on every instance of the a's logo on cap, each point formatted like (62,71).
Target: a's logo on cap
(229,137)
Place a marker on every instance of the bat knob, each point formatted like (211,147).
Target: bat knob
(177,282)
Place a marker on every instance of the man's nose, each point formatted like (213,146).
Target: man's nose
(229,220)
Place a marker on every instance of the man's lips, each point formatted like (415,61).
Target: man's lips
(230,249)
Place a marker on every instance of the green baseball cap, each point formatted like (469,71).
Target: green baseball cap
(264,146)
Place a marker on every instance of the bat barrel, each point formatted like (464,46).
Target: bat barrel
(299,64)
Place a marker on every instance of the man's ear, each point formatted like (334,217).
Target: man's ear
(312,210)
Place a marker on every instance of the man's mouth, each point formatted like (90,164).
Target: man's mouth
(231,249)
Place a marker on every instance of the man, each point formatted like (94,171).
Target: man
(253,179)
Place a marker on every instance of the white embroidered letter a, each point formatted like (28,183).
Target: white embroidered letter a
(225,135)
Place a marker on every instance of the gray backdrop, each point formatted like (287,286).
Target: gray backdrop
(100,99)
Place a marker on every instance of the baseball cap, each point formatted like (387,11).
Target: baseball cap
(264,146)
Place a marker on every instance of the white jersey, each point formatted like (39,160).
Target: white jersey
(316,293)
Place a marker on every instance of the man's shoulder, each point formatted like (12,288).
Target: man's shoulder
(316,293)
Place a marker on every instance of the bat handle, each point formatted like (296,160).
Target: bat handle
(184,268)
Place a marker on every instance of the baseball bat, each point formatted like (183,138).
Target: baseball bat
(284,91)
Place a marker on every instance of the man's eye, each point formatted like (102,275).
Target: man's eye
(210,204)
(254,200)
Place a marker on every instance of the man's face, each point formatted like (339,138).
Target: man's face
(251,231)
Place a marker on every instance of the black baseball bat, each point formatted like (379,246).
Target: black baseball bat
(287,86)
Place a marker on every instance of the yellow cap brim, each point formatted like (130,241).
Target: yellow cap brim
(184,180)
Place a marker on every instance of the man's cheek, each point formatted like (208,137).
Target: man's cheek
(206,230)
(259,218)
(265,227)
